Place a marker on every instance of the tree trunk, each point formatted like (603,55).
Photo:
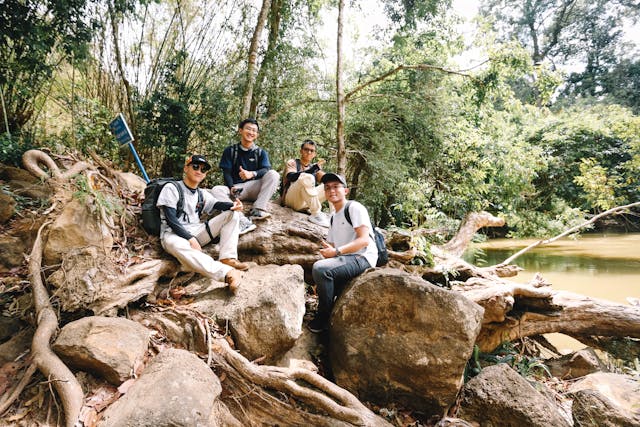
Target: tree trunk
(342,153)
(274,35)
(253,58)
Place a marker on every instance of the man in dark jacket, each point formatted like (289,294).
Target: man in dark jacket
(247,172)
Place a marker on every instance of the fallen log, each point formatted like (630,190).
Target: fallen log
(514,311)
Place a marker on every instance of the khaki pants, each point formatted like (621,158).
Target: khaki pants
(226,225)
(304,194)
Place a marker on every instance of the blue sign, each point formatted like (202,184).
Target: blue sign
(121,130)
(124,136)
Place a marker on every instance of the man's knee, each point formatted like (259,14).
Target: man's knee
(271,176)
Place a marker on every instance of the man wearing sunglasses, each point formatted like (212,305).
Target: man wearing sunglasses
(348,251)
(247,172)
(299,189)
(183,235)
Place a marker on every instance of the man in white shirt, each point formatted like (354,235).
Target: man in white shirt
(348,251)
(183,235)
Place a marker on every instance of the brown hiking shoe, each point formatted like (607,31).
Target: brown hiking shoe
(233,278)
(232,262)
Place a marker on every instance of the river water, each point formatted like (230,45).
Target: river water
(605,266)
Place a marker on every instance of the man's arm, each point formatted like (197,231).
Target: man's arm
(265,164)
(226,164)
(293,174)
(171,216)
(361,241)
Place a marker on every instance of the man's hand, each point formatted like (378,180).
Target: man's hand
(237,205)
(194,244)
(327,250)
(246,175)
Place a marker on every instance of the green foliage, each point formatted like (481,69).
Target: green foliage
(598,188)
(12,147)
(507,352)
(33,37)
(597,133)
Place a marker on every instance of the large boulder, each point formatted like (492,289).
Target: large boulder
(75,227)
(606,399)
(265,316)
(175,389)
(7,207)
(397,338)
(499,396)
(108,347)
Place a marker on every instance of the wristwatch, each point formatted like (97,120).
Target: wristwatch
(338,253)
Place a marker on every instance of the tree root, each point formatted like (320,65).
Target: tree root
(47,361)
(338,403)
(32,159)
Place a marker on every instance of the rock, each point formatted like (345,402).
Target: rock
(12,252)
(75,227)
(10,173)
(574,365)
(265,316)
(131,182)
(17,345)
(175,389)
(499,396)
(606,399)
(302,352)
(397,338)
(7,207)
(109,347)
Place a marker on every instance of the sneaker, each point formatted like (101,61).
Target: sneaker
(232,262)
(317,325)
(246,225)
(233,279)
(259,214)
(320,219)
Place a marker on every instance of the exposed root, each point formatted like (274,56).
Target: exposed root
(47,361)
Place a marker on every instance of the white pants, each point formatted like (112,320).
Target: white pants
(258,191)
(225,225)
(304,194)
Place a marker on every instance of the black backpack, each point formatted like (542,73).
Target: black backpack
(151,213)
(383,254)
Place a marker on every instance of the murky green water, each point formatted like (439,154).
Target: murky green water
(605,266)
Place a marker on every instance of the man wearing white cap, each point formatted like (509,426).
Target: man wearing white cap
(299,190)
(183,235)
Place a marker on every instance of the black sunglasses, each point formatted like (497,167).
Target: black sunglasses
(198,166)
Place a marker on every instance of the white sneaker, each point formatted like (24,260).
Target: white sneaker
(320,219)
(246,225)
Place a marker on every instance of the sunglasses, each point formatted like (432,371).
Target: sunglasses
(199,167)
(309,150)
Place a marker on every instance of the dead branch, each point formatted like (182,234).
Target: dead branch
(47,361)
(569,231)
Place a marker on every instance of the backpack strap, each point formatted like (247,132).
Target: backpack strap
(234,155)
(180,205)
